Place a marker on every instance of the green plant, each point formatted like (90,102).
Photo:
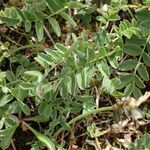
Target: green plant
(60,84)
(35,12)
(141,143)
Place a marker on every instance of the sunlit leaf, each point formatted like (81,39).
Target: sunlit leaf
(55,26)
(69,19)
(128,90)
(128,65)
(39,30)
(107,84)
(9,21)
(28,15)
(143,73)
(84,76)
(36,74)
(42,138)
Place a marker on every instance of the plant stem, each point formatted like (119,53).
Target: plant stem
(99,110)
(139,61)
(9,39)
(48,34)
(25,47)
(13,145)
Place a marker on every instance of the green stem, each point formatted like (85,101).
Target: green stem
(139,61)
(9,39)
(25,47)
(99,110)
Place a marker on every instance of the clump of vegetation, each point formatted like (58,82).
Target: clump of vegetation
(74,74)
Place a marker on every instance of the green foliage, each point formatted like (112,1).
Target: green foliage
(7,133)
(34,13)
(44,139)
(54,83)
(141,143)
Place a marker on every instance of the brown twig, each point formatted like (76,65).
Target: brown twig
(48,34)
(13,145)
